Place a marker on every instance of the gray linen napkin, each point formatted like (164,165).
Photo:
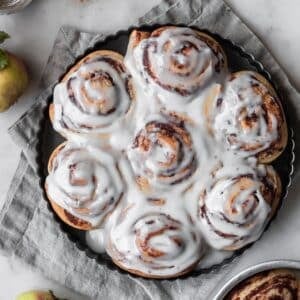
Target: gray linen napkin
(27,228)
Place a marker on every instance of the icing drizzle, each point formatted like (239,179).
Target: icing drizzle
(247,116)
(94,98)
(155,243)
(85,182)
(234,209)
(166,151)
(175,63)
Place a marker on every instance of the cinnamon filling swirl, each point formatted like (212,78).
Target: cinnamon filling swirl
(249,117)
(233,211)
(84,181)
(176,62)
(275,284)
(158,244)
(94,97)
(162,153)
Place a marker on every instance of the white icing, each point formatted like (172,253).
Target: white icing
(179,245)
(175,199)
(96,240)
(85,182)
(102,109)
(172,69)
(177,238)
(213,257)
(232,212)
(240,102)
(166,151)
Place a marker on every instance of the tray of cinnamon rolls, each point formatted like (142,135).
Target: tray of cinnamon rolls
(165,151)
(278,279)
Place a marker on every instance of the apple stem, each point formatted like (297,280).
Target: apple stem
(54,297)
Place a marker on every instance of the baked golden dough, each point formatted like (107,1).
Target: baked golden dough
(190,42)
(260,127)
(62,213)
(83,186)
(96,113)
(233,209)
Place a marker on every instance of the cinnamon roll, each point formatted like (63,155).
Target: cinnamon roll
(175,63)
(162,154)
(93,98)
(154,244)
(83,186)
(248,117)
(274,284)
(236,205)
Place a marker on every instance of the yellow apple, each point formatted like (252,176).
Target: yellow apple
(37,295)
(13,81)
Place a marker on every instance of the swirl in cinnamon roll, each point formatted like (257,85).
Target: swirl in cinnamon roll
(162,154)
(235,208)
(249,117)
(83,185)
(174,62)
(93,97)
(155,245)
(274,284)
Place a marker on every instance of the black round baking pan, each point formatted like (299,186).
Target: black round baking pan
(238,59)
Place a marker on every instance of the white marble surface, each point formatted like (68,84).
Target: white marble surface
(276,22)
